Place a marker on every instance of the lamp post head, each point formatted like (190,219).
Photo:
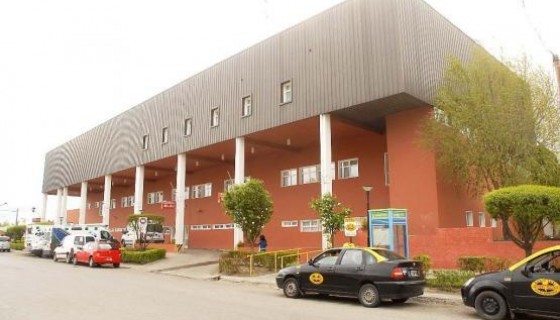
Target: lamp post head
(367,188)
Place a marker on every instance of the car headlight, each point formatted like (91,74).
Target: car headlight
(468,282)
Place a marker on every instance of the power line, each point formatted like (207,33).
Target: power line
(535,29)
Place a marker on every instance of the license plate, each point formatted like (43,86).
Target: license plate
(109,259)
(414,273)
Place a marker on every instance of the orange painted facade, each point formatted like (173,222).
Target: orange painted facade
(436,211)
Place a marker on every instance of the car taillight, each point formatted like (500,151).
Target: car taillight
(398,273)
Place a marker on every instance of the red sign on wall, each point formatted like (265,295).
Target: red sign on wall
(168,205)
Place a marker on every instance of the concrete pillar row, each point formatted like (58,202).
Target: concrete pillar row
(239,179)
(64,209)
(105,209)
(44,208)
(180,199)
(139,190)
(326,160)
(83,202)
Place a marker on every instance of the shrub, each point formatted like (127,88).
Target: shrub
(474,264)
(141,256)
(426,262)
(482,264)
(238,262)
(18,245)
(449,280)
(16,232)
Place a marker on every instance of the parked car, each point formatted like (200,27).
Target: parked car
(5,243)
(531,286)
(71,244)
(370,274)
(99,252)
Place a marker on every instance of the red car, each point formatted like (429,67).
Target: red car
(97,253)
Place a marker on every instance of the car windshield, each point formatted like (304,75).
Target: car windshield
(4,239)
(390,255)
(105,246)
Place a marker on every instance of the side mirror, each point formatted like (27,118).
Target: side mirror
(525,271)
(310,262)
(79,247)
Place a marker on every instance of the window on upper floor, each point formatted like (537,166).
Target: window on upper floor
(469,218)
(214,117)
(113,204)
(202,190)
(246,106)
(286,88)
(348,168)
(145,139)
(165,135)
(309,174)
(187,127)
(481,219)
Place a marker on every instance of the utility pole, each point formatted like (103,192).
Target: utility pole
(556,64)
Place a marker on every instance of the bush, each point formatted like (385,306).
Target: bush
(18,245)
(449,280)
(238,262)
(426,262)
(141,256)
(482,264)
(15,232)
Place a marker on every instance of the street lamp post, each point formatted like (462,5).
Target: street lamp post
(367,189)
(16,211)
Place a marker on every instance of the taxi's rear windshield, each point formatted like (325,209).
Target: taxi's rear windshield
(390,255)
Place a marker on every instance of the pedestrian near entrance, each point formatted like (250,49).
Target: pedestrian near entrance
(262,243)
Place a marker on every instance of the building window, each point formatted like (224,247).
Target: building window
(187,127)
(201,227)
(386,168)
(289,177)
(223,226)
(309,174)
(202,191)
(124,202)
(469,218)
(481,220)
(348,168)
(145,142)
(97,204)
(228,184)
(165,135)
(286,88)
(151,197)
(113,204)
(310,226)
(247,106)
(214,117)
(493,223)
(130,201)
(289,224)
(174,194)
(88,205)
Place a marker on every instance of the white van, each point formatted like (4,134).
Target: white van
(5,243)
(72,243)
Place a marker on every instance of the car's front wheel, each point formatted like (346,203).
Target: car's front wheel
(116,265)
(369,296)
(490,305)
(291,288)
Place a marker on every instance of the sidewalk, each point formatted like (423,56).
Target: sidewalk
(203,265)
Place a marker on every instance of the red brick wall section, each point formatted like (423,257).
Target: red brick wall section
(445,246)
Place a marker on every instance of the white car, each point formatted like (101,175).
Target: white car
(5,244)
(70,244)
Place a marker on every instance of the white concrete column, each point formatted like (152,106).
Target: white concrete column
(64,205)
(106,200)
(180,199)
(239,179)
(326,159)
(58,217)
(44,208)
(139,190)
(83,202)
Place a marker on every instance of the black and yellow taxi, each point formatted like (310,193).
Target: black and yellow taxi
(370,274)
(530,286)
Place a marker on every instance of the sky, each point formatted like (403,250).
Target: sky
(66,66)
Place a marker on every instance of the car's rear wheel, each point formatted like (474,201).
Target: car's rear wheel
(69,257)
(369,296)
(116,265)
(74,260)
(91,263)
(490,305)
(291,288)
(401,300)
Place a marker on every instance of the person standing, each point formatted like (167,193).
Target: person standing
(262,243)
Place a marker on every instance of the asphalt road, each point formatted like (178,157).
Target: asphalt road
(35,288)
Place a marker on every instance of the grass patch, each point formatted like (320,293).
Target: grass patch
(448,280)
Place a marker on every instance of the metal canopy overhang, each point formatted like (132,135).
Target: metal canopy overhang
(371,115)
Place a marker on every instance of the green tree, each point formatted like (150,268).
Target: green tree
(249,205)
(331,213)
(154,220)
(15,232)
(528,208)
(493,127)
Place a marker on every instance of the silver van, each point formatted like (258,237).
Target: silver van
(5,244)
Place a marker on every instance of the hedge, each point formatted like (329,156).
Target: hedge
(481,264)
(426,262)
(141,256)
(234,262)
(18,245)
(449,280)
